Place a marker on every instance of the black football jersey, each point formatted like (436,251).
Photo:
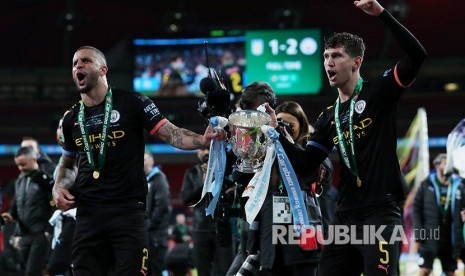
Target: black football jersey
(375,114)
(122,179)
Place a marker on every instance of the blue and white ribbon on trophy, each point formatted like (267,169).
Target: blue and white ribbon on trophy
(296,199)
(260,183)
(215,167)
(258,186)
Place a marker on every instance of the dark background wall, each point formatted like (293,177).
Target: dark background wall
(39,33)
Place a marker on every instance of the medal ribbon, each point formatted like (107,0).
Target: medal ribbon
(348,157)
(103,137)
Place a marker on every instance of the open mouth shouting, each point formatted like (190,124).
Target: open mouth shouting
(331,75)
(81,79)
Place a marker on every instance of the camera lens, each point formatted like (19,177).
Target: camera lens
(286,125)
(205,158)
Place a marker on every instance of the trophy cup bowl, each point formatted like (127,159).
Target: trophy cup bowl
(247,140)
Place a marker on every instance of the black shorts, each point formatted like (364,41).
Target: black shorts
(110,241)
(364,254)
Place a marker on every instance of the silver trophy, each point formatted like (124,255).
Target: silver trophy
(247,140)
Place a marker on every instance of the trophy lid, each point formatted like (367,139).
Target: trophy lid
(249,118)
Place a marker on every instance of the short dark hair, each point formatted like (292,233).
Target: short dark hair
(352,44)
(26,151)
(100,54)
(438,158)
(256,94)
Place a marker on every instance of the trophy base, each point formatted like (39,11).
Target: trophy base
(249,166)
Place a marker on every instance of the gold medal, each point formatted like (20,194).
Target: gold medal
(96,174)
(359,182)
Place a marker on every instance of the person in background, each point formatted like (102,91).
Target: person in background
(233,73)
(158,214)
(362,126)
(294,118)
(180,230)
(106,130)
(45,163)
(253,95)
(172,82)
(438,208)
(59,263)
(455,164)
(211,257)
(31,210)
(174,71)
(179,259)
(201,71)
(290,259)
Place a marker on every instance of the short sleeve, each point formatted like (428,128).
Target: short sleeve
(69,147)
(151,116)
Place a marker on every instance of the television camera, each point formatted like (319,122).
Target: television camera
(217,100)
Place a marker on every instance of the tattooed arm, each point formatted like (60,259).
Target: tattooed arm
(185,139)
(66,175)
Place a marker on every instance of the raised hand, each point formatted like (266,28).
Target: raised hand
(272,113)
(371,7)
